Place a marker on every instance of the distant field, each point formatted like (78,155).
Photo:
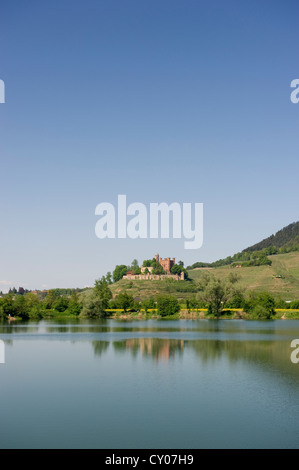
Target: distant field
(258,278)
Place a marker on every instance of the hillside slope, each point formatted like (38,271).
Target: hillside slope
(261,278)
(285,237)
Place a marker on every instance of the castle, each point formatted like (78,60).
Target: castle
(146,272)
(166,263)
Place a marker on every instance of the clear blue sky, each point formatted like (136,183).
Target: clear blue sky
(185,101)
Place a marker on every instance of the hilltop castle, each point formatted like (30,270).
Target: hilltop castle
(146,272)
(166,263)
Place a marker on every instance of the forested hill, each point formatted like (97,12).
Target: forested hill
(285,240)
(286,237)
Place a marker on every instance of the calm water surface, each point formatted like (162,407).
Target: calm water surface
(149,384)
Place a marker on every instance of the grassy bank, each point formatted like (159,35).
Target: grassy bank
(230,314)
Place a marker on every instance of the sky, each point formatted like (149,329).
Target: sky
(161,101)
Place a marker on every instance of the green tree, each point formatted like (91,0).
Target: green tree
(97,301)
(260,305)
(157,268)
(51,297)
(216,292)
(102,291)
(109,277)
(125,301)
(177,269)
(34,306)
(148,303)
(61,304)
(7,306)
(74,306)
(119,272)
(167,306)
(147,263)
(92,307)
(135,267)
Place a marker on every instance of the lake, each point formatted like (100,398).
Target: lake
(150,384)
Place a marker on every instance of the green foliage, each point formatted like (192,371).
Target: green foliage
(74,307)
(102,291)
(93,307)
(192,304)
(148,303)
(260,305)
(147,263)
(23,306)
(260,312)
(217,293)
(61,304)
(282,304)
(167,306)
(294,304)
(245,259)
(286,238)
(109,277)
(178,268)
(135,267)
(51,297)
(199,264)
(210,310)
(20,307)
(119,272)
(157,268)
(237,301)
(96,303)
(125,301)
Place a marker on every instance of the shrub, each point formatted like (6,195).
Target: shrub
(259,311)
(167,306)
(125,301)
(282,304)
(260,305)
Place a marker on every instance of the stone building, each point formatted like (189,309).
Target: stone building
(166,263)
(155,277)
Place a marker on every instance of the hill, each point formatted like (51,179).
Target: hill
(259,278)
(271,265)
(285,240)
(265,278)
(286,237)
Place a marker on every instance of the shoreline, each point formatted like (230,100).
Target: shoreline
(232,314)
(236,314)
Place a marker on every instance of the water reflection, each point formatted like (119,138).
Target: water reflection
(158,349)
(154,384)
(216,329)
(273,355)
(99,347)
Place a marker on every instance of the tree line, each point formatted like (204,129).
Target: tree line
(216,295)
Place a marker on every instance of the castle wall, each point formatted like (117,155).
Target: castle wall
(153,277)
(166,263)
